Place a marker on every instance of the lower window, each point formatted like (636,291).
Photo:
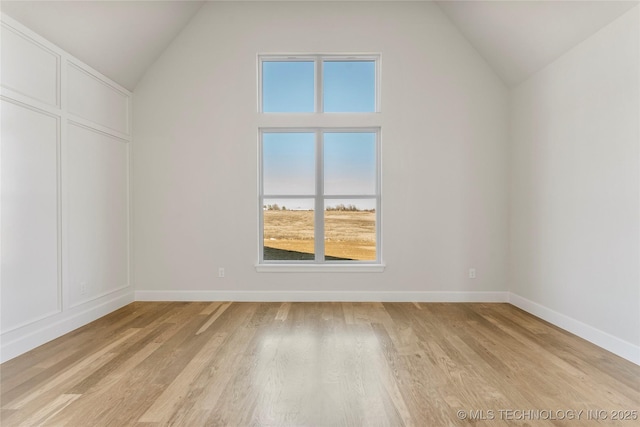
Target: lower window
(319,195)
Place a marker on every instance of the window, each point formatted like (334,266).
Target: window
(329,84)
(319,186)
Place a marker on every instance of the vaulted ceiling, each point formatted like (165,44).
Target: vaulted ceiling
(121,39)
(519,38)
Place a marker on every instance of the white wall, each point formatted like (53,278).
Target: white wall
(444,143)
(65,192)
(575,186)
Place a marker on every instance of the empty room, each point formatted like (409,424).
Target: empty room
(320,213)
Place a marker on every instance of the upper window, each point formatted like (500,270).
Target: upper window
(288,86)
(319,185)
(321,84)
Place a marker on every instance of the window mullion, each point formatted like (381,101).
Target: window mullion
(378,198)
(319,201)
(260,197)
(319,78)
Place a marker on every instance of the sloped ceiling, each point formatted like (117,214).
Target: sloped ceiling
(519,38)
(121,39)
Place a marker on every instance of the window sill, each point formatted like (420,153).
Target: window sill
(321,268)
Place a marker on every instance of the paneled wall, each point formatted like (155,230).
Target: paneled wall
(65,143)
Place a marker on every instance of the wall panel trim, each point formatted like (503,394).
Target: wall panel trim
(108,84)
(101,130)
(99,296)
(50,325)
(42,44)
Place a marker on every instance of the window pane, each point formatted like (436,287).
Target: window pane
(288,163)
(288,86)
(288,229)
(350,163)
(349,86)
(350,229)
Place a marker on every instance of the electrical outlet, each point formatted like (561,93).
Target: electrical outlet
(221,272)
(472,273)
(83,288)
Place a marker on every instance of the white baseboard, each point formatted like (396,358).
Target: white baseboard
(602,339)
(26,338)
(321,296)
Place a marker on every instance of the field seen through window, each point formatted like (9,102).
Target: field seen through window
(349,234)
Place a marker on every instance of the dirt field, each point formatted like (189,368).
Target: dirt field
(349,235)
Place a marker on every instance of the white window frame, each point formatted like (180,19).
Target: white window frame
(319,74)
(319,123)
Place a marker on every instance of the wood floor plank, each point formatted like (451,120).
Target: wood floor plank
(164,406)
(211,308)
(46,412)
(127,353)
(299,364)
(283,311)
(70,374)
(211,384)
(134,385)
(47,395)
(214,316)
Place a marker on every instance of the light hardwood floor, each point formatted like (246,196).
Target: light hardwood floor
(318,364)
